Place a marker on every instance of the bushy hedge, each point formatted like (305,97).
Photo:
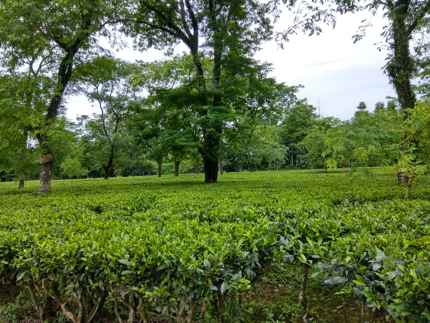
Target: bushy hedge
(166,251)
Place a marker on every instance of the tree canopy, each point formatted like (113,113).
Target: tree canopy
(212,108)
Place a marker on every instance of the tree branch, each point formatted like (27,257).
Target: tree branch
(425,9)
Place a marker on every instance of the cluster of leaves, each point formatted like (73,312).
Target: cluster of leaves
(284,132)
(368,139)
(161,266)
(153,252)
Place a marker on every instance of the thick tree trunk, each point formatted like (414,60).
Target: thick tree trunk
(210,152)
(211,170)
(47,158)
(46,169)
(46,162)
(401,66)
(177,164)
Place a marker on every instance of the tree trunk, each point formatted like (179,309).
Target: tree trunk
(21,183)
(47,158)
(213,129)
(210,152)
(401,66)
(110,168)
(211,170)
(160,167)
(47,163)
(177,167)
(221,167)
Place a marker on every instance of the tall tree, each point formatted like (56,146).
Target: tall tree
(64,29)
(165,123)
(298,121)
(23,97)
(406,18)
(108,83)
(17,118)
(226,32)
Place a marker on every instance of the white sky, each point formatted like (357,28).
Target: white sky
(336,73)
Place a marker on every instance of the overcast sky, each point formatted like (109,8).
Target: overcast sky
(336,73)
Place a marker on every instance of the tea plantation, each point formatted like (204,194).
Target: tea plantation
(282,246)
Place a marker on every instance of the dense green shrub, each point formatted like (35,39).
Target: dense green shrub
(171,249)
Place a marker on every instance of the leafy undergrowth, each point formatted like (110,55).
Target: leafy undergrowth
(257,247)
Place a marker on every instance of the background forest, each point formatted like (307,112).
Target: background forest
(144,138)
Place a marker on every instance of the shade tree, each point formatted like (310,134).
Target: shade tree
(22,99)
(108,83)
(226,33)
(406,19)
(62,32)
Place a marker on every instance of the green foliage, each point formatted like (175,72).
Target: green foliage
(361,154)
(297,123)
(369,139)
(330,164)
(251,147)
(417,129)
(72,168)
(45,40)
(405,20)
(160,251)
(110,84)
(21,103)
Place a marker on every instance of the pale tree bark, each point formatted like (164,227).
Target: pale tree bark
(64,75)
(46,162)
(47,155)
(221,167)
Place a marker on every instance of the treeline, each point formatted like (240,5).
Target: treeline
(215,107)
(153,134)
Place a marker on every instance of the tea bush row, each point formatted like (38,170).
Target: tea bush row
(160,253)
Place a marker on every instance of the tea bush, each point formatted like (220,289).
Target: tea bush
(172,249)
